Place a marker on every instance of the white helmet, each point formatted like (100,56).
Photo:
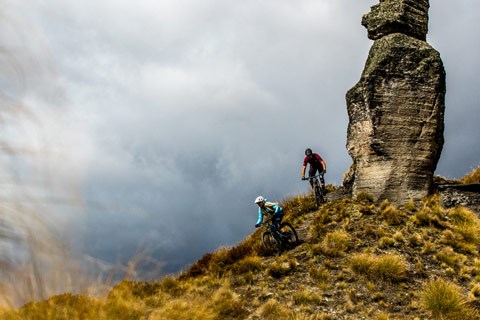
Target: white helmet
(259,199)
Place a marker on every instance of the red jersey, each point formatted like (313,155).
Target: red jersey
(315,161)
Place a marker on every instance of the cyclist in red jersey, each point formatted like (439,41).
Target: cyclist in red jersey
(316,164)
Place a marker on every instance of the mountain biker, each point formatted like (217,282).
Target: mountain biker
(269,208)
(316,164)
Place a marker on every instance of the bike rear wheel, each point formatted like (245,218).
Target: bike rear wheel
(318,193)
(269,242)
(289,235)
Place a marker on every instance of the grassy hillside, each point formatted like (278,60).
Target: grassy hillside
(472,177)
(357,260)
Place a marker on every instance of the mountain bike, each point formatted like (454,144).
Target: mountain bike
(279,237)
(317,188)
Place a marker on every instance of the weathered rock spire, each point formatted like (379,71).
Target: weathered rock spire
(396,110)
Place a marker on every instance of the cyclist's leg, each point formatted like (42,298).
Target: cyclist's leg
(311,173)
(277,219)
(322,179)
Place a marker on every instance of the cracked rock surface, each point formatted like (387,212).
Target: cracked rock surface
(396,110)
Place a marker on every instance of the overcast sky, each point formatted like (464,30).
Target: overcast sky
(164,119)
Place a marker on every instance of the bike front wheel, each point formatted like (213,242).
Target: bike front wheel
(269,242)
(289,235)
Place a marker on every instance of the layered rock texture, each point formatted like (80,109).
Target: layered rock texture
(396,110)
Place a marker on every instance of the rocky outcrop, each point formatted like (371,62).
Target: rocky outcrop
(396,110)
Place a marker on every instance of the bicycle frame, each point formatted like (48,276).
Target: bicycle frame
(283,239)
(317,188)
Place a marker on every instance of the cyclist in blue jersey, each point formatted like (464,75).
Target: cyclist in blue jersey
(268,208)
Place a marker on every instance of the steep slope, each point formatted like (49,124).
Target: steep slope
(356,260)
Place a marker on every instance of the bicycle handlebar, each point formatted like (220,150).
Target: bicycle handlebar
(315,176)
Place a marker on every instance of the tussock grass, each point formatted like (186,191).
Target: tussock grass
(364,197)
(390,213)
(320,274)
(281,268)
(334,244)
(445,300)
(342,267)
(388,267)
(386,242)
(430,213)
(272,310)
(450,258)
(248,264)
(297,206)
(472,177)
(331,213)
(304,296)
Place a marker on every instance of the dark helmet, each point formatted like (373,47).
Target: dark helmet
(308,152)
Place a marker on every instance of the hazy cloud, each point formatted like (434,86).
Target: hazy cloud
(176,114)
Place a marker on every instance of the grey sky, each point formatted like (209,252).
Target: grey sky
(169,117)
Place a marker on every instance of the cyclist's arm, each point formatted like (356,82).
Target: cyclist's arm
(260,216)
(324,165)
(277,209)
(303,170)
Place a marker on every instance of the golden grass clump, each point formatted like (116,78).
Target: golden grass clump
(320,274)
(272,310)
(449,257)
(386,242)
(388,267)
(445,300)
(298,206)
(462,231)
(472,177)
(183,309)
(390,213)
(304,296)
(334,244)
(224,258)
(430,213)
(228,304)
(364,197)
(248,264)
(466,223)
(65,306)
(331,212)
(281,268)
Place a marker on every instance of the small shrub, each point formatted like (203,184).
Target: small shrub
(445,300)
